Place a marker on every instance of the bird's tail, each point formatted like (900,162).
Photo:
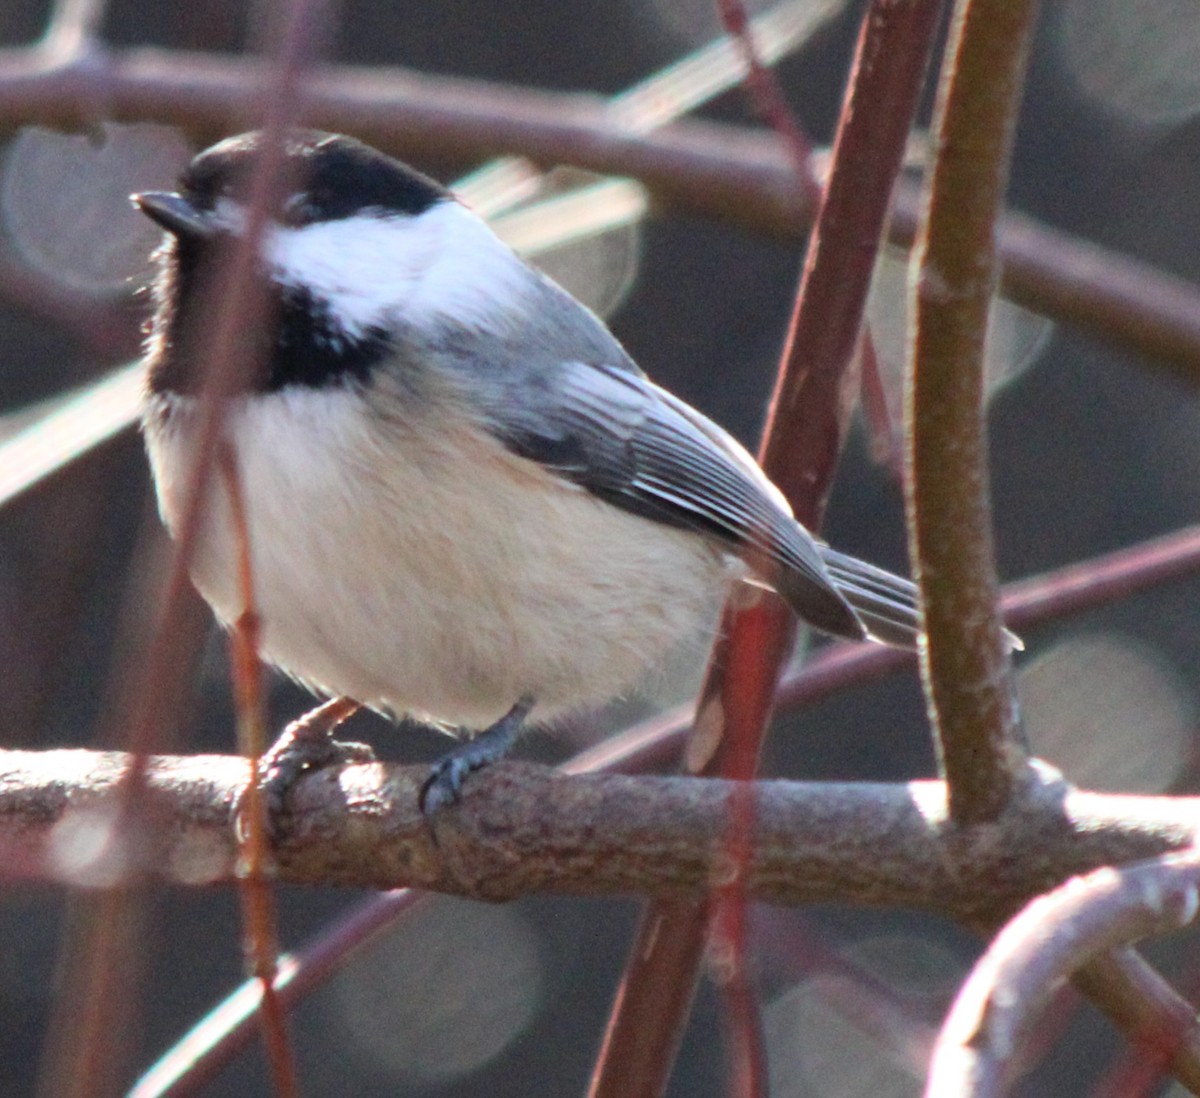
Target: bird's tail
(886,603)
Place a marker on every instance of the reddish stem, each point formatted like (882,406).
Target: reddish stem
(259,917)
(805,425)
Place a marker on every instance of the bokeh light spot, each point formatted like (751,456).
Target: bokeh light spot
(1015,339)
(1110,712)
(1140,61)
(444,995)
(64,201)
(833,1036)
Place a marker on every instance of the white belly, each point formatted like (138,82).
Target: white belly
(445,581)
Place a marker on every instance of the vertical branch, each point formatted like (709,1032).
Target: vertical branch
(803,437)
(83,1057)
(742,682)
(965,664)
(257,892)
(807,415)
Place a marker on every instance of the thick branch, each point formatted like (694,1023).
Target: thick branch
(524,828)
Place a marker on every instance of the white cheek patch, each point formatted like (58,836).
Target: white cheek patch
(374,267)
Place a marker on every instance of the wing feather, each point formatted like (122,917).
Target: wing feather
(621,437)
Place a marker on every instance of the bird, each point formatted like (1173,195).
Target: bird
(466,504)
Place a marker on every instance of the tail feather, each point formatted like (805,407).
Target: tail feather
(887,604)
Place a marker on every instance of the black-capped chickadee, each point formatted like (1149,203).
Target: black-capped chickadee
(466,503)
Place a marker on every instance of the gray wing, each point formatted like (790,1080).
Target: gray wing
(627,441)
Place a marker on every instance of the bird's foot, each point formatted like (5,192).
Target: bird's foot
(307,744)
(446,776)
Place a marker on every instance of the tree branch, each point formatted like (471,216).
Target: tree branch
(1159,1022)
(1055,935)
(730,173)
(525,828)
(802,440)
(965,663)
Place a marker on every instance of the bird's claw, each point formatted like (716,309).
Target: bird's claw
(446,776)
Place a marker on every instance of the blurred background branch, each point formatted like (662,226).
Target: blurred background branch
(737,175)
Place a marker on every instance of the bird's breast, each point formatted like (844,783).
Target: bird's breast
(419,567)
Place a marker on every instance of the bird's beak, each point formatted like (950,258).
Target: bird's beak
(175,214)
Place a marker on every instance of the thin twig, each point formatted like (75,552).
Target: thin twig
(1160,1024)
(159,697)
(767,97)
(257,891)
(744,674)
